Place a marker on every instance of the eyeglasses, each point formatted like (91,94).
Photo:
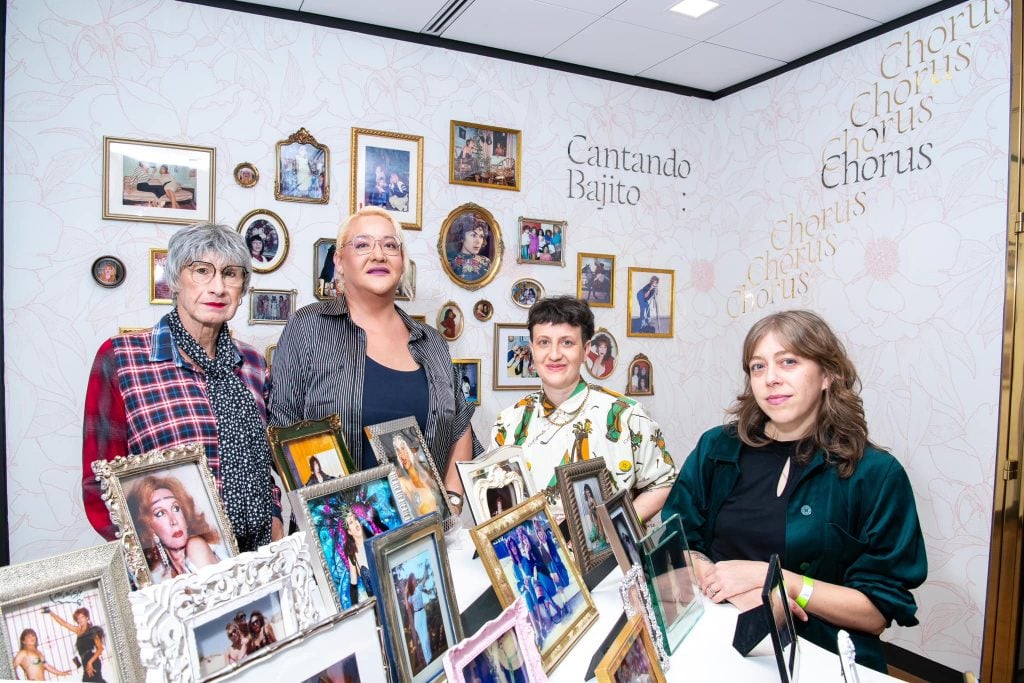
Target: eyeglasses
(203,272)
(364,244)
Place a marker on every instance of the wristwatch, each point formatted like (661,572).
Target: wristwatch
(454,499)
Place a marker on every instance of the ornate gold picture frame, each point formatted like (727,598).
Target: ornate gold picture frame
(310,452)
(470,246)
(303,169)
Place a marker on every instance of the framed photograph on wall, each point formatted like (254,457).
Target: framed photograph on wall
(595,279)
(583,486)
(267,238)
(268,594)
(505,544)
(483,310)
(142,490)
(526,292)
(641,376)
(450,321)
(468,370)
(310,452)
(470,246)
(269,354)
(158,182)
(340,515)
(246,175)
(651,302)
(68,615)
(387,171)
(108,271)
(159,290)
(413,584)
(324,285)
(270,306)
(495,482)
(603,355)
(485,156)
(505,648)
(513,359)
(303,169)
(541,241)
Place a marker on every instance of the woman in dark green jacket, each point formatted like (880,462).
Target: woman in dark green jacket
(793,473)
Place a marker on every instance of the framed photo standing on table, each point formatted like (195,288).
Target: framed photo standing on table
(470,246)
(303,169)
(514,548)
(583,486)
(68,615)
(158,182)
(400,443)
(513,359)
(310,452)
(142,490)
(413,584)
(485,156)
(468,370)
(775,601)
(622,527)
(159,290)
(595,279)
(267,238)
(603,354)
(504,649)
(637,601)
(387,171)
(340,515)
(226,615)
(541,241)
(651,303)
(631,657)
(671,581)
(270,306)
(641,377)
(495,482)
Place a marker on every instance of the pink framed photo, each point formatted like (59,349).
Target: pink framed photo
(504,649)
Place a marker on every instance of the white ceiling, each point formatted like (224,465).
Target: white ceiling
(737,41)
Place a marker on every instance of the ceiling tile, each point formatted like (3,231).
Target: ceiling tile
(879,10)
(599,7)
(616,46)
(533,28)
(710,67)
(792,29)
(408,15)
(654,14)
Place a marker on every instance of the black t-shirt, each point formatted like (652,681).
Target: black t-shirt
(751,524)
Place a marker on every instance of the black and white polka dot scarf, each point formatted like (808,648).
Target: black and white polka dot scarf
(241,437)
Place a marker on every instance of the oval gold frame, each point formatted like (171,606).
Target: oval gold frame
(282,249)
(495,239)
(462,325)
(614,351)
(249,166)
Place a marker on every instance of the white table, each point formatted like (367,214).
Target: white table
(705,654)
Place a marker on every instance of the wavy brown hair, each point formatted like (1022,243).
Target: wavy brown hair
(142,512)
(840,428)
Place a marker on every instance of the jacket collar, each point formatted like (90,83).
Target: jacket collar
(338,307)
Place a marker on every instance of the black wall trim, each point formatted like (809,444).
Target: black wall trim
(5,517)
(508,55)
(920,666)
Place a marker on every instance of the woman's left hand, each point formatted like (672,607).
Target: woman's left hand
(729,578)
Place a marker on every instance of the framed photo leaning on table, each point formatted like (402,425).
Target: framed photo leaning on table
(622,528)
(504,649)
(583,486)
(310,452)
(637,600)
(671,581)
(495,482)
(631,657)
(525,555)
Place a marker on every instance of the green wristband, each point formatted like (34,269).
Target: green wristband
(805,592)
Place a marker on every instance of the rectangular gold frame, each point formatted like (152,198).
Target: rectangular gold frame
(494,175)
(566,476)
(483,537)
(202,160)
(279,436)
(111,473)
(253,291)
(611,279)
(672,302)
(153,297)
(476,363)
(103,566)
(318,285)
(563,225)
(413,144)
(612,661)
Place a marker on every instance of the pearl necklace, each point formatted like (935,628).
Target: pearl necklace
(573,414)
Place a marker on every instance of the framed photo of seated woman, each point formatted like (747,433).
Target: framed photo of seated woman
(340,515)
(583,486)
(310,452)
(167,512)
(387,171)
(470,246)
(400,443)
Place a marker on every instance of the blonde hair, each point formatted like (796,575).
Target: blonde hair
(840,427)
(405,284)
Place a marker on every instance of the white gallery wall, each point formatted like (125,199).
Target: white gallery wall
(869,186)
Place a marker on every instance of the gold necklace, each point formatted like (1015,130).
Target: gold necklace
(573,414)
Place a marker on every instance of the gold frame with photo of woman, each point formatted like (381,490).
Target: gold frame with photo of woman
(387,171)
(644,325)
(633,636)
(459,321)
(571,480)
(159,290)
(320,440)
(640,360)
(209,527)
(590,358)
(466,269)
(244,181)
(485,156)
(297,147)
(465,368)
(267,227)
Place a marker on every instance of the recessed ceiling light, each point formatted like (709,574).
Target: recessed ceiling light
(694,8)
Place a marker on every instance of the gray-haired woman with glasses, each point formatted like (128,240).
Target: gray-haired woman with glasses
(360,356)
(186,380)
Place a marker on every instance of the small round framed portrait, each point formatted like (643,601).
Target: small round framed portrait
(470,246)
(108,271)
(267,238)
(526,291)
(602,355)
(483,310)
(641,377)
(246,175)
(450,321)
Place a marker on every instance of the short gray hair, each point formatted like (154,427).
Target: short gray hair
(195,241)
(405,284)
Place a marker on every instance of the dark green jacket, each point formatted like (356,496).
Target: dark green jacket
(861,532)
